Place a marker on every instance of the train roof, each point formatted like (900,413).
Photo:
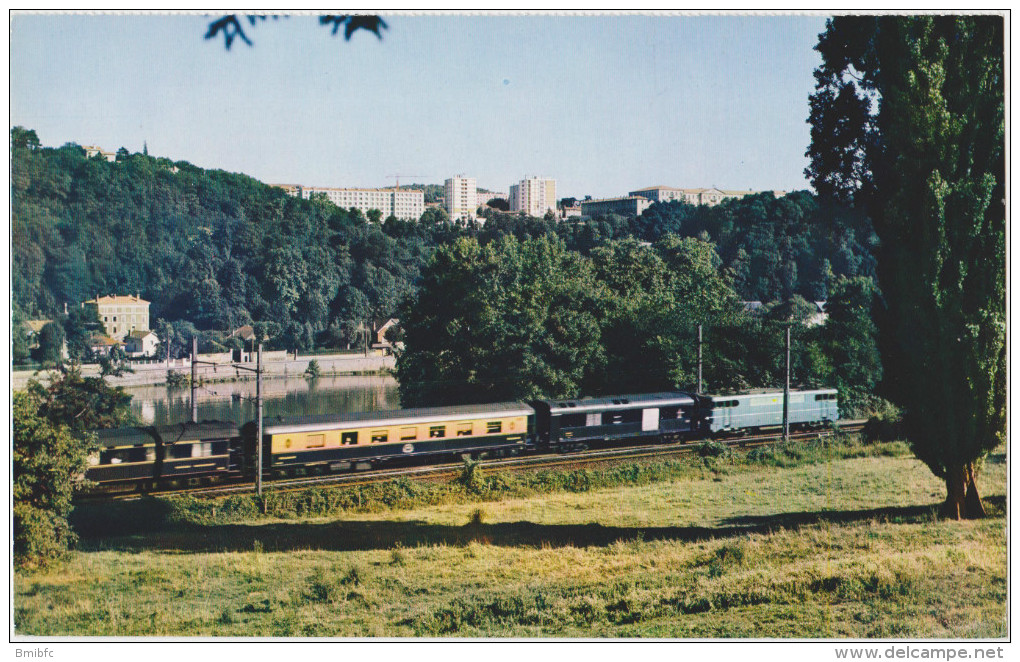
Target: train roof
(617,402)
(396,417)
(114,437)
(197,431)
(771,391)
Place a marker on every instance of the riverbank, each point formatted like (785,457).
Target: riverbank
(156,373)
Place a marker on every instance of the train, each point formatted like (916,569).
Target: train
(210,451)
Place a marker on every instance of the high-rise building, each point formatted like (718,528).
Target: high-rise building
(534,196)
(461,197)
(405,203)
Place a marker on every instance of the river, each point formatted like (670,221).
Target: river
(283,397)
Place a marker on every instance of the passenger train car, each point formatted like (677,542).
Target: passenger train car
(165,452)
(343,441)
(201,452)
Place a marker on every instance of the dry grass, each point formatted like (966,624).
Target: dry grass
(846,548)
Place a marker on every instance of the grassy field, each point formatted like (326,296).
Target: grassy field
(839,543)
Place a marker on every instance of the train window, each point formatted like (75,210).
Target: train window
(348,438)
(494,427)
(437,432)
(612,418)
(380,436)
(669,413)
(407,434)
(572,421)
(316,441)
(179,451)
(150,454)
(464,430)
(201,449)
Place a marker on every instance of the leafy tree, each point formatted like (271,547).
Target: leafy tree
(81,403)
(50,351)
(79,325)
(47,463)
(908,124)
(510,320)
(24,138)
(850,340)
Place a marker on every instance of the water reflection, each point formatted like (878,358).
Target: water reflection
(287,397)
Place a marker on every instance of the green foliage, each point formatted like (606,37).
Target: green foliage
(313,370)
(885,423)
(207,248)
(510,320)
(51,345)
(48,464)
(81,403)
(472,476)
(849,339)
(928,163)
(176,379)
(773,247)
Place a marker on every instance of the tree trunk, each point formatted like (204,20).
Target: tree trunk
(962,499)
(975,509)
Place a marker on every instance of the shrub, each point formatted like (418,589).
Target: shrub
(313,370)
(471,476)
(48,463)
(176,379)
(884,423)
(712,449)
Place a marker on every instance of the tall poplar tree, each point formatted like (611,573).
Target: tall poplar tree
(907,122)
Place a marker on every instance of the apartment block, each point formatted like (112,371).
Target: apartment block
(695,196)
(461,197)
(632,205)
(533,196)
(121,315)
(406,204)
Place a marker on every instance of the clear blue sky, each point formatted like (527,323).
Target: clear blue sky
(601,104)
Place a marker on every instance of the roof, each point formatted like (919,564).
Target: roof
(193,431)
(772,391)
(124,437)
(609,402)
(140,333)
(117,298)
(36,325)
(397,417)
(624,197)
(245,332)
(98,339)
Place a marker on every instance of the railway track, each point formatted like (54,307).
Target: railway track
(451,470)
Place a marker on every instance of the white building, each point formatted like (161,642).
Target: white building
(461,197)
(407,204)
(534,196)
(141,343)
(93,150)
(695,196)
